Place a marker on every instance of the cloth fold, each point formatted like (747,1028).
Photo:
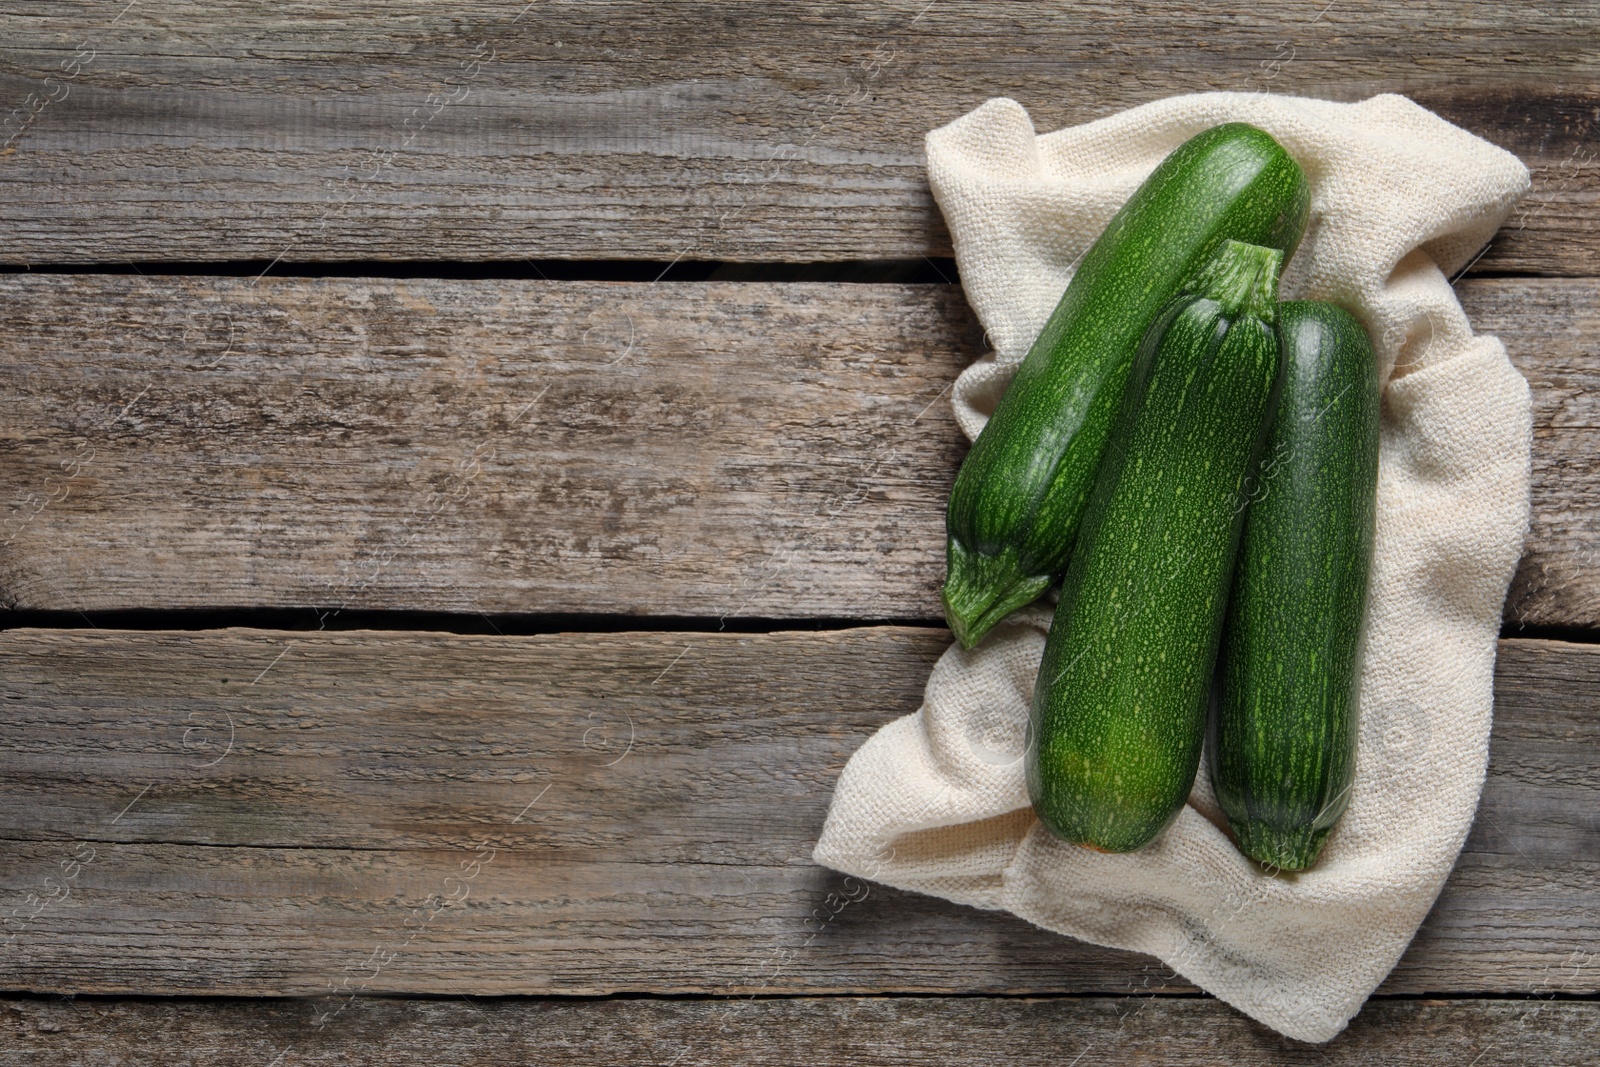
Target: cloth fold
(936,801)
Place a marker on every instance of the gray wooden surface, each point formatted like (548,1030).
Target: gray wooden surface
(715,450)
(274,814)
(708,130)
(848,1031)
(610,831)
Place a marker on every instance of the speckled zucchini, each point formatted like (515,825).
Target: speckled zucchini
(1284,732)
(1119,707)
(1018,498)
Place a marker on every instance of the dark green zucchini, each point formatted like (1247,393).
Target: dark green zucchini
(1119,708)
(1284,732)
(1018,497)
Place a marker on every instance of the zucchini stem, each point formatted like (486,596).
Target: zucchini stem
(980,590)
(1242,278)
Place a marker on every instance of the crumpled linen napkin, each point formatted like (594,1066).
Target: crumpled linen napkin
(936,801)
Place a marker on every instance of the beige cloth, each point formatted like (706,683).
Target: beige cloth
(936,801)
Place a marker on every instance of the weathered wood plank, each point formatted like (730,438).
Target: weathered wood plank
(712,450)
(1554,340)
(708,450)
(247,812)
(714,130)
(945,1032)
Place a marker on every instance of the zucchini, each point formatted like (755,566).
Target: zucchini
(1119,708)
(1284,732)
(1021,490)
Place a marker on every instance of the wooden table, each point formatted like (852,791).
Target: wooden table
(473,474)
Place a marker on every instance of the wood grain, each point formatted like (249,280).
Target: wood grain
(246,812)
(1558,580)
(1087,1032)
(715,130)
(716,450)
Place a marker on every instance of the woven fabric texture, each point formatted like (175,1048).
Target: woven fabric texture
(936,801)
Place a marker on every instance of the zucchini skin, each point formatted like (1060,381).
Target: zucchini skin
(1119,709)
(1283,736)
(1021,491)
